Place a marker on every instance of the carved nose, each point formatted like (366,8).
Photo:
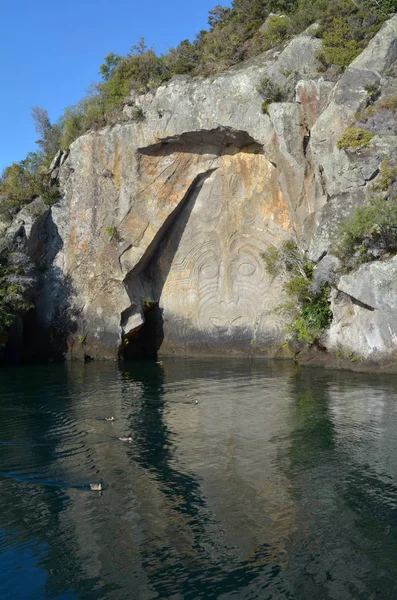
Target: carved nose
(225,282)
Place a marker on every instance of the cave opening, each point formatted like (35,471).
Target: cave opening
(144,342)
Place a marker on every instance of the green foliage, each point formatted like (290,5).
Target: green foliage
(387,176)
(111,61)
(337,48)
(14,282)
(307,310)
(354,139)
(272,260)
(111,231)
(373,91)
(346,27)
(49,134)
(373,109)
(369,234)
(146,303)
(270,90)
(21,182)
(81,339)
(138,114)
(312,315)
(278,30)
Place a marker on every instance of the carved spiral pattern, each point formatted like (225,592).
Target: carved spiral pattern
(217,279)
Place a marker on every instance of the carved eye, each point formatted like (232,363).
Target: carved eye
(209,271)
(246,269)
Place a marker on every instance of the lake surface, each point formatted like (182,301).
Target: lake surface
(279,484)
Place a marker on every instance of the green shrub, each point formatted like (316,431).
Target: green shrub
(354,139)
(313,318)
(373,91)
(270,90)
(369,234)
(146,303)
(308,311)
(278,31)
(265,108)
(16,279)
(346,27)
(387,176)
(138,114)
(272,260)
(21,182)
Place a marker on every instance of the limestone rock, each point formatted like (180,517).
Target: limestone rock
(161,223)
(327,271)
(365,314)
(373,285)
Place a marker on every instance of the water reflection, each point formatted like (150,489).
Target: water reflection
(278,484)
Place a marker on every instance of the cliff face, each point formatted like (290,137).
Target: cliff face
(159,232)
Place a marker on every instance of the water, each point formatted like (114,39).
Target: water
(278,484)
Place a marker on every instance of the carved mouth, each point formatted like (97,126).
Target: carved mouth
(224,324)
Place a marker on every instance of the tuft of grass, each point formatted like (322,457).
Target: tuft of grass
(138,114)
(111,231)
(354,139)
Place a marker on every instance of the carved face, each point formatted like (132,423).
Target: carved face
(217,279)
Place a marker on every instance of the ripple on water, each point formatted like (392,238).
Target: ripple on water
(278,484)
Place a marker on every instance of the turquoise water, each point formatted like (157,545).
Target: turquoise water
(279,484)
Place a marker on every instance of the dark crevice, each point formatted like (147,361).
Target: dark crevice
(360,304)
(222,140)
(374,174)
(323,255)
(306,140)
(145,340)
(169,221)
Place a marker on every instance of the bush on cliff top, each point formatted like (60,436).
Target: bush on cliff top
(234,34)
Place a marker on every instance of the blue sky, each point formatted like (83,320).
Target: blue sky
(52,51)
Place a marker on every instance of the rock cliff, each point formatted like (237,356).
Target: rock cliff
(155,244)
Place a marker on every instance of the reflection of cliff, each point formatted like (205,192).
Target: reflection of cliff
(345,524)
(262,489)
(164,509)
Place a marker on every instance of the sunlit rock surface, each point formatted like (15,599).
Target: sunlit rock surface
(162,222)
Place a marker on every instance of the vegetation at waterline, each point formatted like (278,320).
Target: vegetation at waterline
(17,281)
(307,309)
